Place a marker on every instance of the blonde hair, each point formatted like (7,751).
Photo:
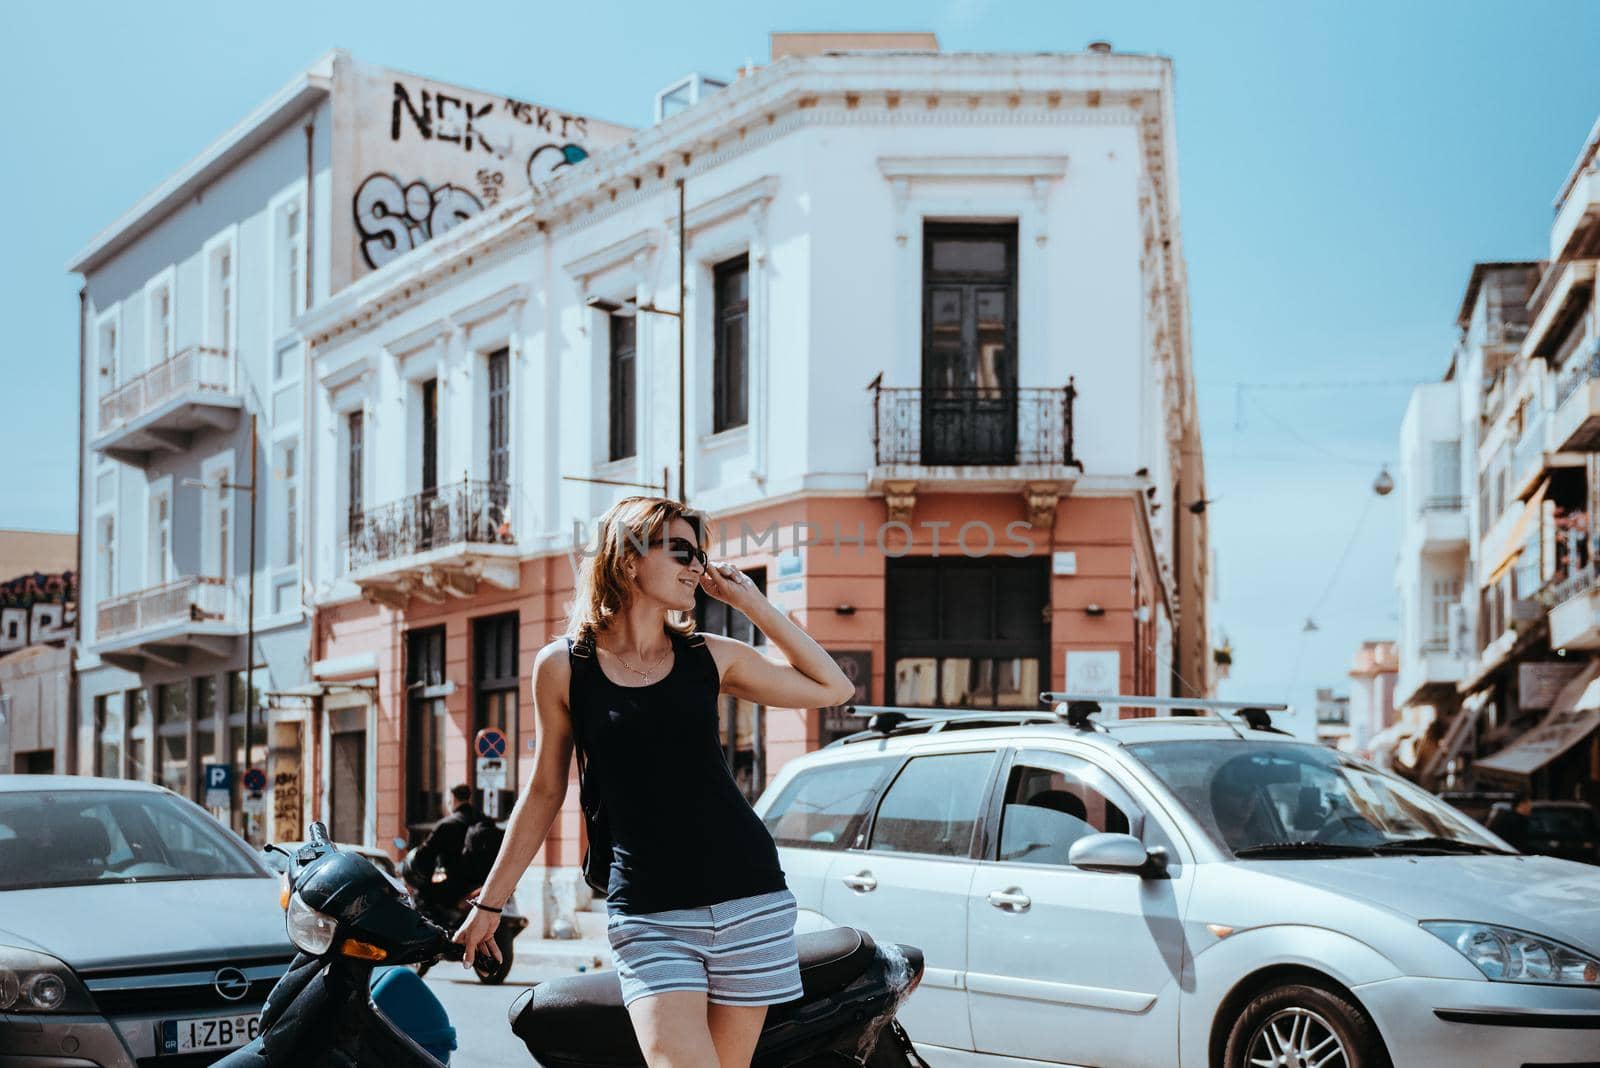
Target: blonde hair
(627,529)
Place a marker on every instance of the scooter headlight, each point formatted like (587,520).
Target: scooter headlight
(310,930)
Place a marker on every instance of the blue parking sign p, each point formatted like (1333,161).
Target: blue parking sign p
(219,776)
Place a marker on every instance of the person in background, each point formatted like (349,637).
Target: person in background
(445,847)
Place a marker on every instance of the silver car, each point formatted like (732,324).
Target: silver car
(1186,891)
(133,927)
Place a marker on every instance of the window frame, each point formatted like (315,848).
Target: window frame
(723,414)
(154,563)
(222,335)
(166,280)
(287,294)
(890,765)
(1102,780)
(622,431)
(980,834)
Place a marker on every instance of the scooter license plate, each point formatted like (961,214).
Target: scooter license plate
(209,1032)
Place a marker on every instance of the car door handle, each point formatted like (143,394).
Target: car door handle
(862,881)
(1010,900)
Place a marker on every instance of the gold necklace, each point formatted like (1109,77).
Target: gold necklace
(645,675)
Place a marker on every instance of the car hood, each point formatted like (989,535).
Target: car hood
(1541,895)
(119,925)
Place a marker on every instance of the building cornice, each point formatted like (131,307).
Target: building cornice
(966,89)
(613,255)
(288,103)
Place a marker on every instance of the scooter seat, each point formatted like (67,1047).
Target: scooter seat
(584,1012)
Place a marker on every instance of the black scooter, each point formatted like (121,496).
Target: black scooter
(489,971)
(346,917)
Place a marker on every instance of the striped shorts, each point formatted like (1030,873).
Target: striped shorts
(738,952)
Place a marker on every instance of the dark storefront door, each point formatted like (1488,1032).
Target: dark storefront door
(968,633)
(348,774)
(425,729)
(969,366)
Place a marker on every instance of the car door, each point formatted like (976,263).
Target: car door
(909,879)
(814,815)
(1065,965)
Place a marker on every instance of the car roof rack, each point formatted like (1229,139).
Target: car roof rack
(884,721)
(1254,714)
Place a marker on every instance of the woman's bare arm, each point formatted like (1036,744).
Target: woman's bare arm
(810,679)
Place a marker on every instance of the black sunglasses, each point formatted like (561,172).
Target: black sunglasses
(683,550)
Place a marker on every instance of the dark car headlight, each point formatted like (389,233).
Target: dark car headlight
(1507,955)
(35,982)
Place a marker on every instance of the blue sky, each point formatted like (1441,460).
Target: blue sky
(1342,167)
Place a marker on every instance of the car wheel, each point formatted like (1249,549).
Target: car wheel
(1303,1026)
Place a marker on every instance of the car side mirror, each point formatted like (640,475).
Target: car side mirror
(1117,853)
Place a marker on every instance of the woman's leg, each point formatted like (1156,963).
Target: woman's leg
(734,1032)
(672,1030)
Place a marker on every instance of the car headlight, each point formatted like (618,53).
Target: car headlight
(34,982)
(309,929)
(1508,955)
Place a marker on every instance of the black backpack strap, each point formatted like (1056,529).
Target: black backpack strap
(581,657)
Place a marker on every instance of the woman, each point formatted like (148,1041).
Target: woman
(701,920)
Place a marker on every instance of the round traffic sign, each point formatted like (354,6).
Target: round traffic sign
(255,780)
(491,742)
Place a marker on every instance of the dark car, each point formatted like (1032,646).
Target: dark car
(134,928)
(1566,829)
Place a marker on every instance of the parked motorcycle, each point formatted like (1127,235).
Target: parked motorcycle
(512,923)
(846,1016)
(345,917)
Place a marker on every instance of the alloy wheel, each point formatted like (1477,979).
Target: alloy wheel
(1296,1038)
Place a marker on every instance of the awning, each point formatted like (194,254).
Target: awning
(1515,538)
(1576,715)
(356,669)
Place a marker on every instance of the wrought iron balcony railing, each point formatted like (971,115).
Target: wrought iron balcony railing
(1575,374)
(1443,503)
(193,598)
(473,511)
(197,367)
(972,426)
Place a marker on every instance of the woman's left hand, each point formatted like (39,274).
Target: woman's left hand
(730,585)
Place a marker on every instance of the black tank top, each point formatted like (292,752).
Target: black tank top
(682,834)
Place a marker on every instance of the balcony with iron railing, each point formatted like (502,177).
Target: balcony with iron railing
(974,438)
(1577,417)
(168,625)
(161,409)
(435,544)
(1443,522)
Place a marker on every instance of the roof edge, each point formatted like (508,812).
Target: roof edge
(312,83)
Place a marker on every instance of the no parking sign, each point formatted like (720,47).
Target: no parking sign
(491,746)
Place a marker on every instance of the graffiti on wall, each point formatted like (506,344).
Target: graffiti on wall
(37,609)
(459,152)
(393,219)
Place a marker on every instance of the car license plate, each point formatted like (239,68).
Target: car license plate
(209,1032)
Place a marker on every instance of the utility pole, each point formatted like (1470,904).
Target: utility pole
(250,609)
(683,493)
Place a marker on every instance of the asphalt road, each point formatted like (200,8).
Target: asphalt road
(478,1013)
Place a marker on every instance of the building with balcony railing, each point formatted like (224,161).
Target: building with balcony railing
(191,359)
(1434,555)
(938,402)
(1532,603)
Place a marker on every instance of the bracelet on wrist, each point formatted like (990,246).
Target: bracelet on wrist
(475,903)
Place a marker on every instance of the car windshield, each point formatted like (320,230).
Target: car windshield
(1271,799)
(79,837)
